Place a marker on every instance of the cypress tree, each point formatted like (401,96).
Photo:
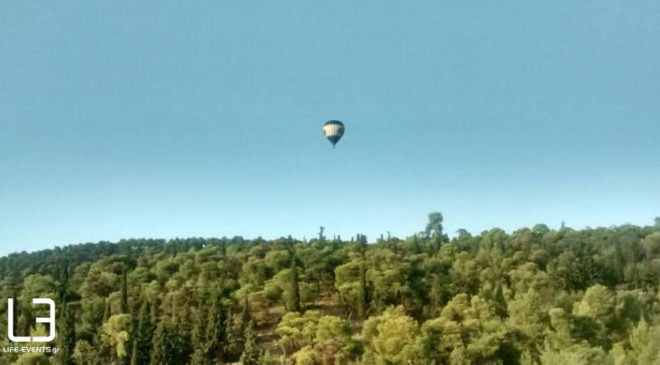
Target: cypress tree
(233,344)
(246,316)
(500,303)
(124,310)
(294,296)
(67,336)
(208,332)
(199,333)
(362,293)
(362,242)
(414,246)
(142,341)
(435,296)
(67,333)
(106,312)
(124,290)
(170,345)
(321,235)
(223,249)
(216,331)
(135,354)
(62,276)
(158,344)
(363,299)
(251,353)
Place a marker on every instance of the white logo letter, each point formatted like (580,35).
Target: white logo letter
(50,320)
(10,323)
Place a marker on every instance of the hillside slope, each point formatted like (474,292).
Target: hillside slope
(533,296)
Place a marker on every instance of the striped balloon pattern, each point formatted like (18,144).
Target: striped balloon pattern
(333,131)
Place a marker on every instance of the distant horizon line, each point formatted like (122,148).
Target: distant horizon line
(563,226)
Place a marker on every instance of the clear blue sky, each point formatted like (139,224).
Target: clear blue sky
(156,119)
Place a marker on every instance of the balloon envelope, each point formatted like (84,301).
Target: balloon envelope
(333,131)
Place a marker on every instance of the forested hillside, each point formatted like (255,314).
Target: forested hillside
(535,296)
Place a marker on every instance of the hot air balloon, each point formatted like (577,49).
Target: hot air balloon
(333,131)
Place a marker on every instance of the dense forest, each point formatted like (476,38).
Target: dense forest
(534,296)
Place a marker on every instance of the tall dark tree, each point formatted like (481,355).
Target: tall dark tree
(436,295)
(499,303)
(414,246)
(232,346)
(363,294)
(67,332)
(362,242)
(251,352)
(171,344)
(293,303)
(67,335)
(217,330)
(208,333)
(321,235)
(124,290)
(246,316)
(143,336)
(107,311)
